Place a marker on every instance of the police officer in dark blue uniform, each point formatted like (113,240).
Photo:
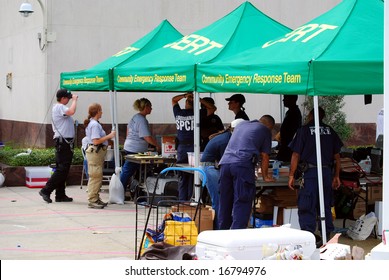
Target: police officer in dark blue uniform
(250,141)
(304,150)
(184,141)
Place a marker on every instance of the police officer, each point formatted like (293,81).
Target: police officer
(304,149)
(235,104)
(184,141)
(63,127)
(250,140)
(209,164)
(210,123)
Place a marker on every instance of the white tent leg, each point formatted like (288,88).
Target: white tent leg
(197,185)
(319,169)
(115,126)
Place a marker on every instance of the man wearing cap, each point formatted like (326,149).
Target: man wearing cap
(63,127)
(250,141)
(235,104)
(210,123)
(209,164)
(184,141)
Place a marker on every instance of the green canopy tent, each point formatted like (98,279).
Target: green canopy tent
(337,53)
(172,68)
(100,76)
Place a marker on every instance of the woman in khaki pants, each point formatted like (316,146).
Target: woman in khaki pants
(95,153)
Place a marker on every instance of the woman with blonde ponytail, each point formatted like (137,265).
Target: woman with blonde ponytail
(138,138)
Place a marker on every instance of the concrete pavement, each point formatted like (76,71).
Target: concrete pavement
(31,229)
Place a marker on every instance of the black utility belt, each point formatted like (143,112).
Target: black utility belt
(207,163)
(97,148)
(63,139)
(309,165)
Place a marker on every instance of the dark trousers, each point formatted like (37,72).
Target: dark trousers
(186,180)
(63,161)
(237,191)
(308,201)
(128,170)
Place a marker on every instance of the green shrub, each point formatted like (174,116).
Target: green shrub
(37,157)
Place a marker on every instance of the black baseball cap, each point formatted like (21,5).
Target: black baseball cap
(238,98)
(209,100)
(64,93)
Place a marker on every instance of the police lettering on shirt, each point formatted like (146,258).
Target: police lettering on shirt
(323,130)
(185,123)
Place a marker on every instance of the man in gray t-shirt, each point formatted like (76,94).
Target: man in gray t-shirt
(63,128)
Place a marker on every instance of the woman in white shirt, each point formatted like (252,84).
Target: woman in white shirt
(97,142)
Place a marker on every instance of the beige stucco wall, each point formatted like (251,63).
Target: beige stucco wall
(87,32)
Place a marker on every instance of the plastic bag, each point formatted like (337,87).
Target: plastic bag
(180,233)
(116,190)
(363,227)
(179,229)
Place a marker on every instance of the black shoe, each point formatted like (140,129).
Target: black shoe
(95,205)
(318,240)
(63,199)
(100,202)
(46,197)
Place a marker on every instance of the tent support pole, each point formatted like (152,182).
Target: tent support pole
(116,142)
(319,169)
(113,101)
(196,142)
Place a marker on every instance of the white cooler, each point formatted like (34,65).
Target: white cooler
(247,244)
(37,176)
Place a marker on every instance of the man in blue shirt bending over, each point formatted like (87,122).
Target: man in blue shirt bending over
(250,141)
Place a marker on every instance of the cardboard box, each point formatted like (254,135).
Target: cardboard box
(168,146)
(265,205)
(207,215)
(37,176)
(375,193)
(359,208)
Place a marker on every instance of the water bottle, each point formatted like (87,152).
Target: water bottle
(368,165)
(276,169)
(365,164)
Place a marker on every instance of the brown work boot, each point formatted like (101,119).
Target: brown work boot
(95,205)
(100,202)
